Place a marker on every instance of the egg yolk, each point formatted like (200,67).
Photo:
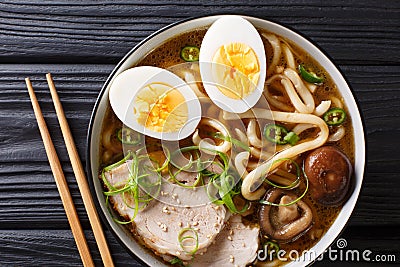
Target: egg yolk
(160,108)
(237,70)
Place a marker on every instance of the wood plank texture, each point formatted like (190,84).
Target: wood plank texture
(39,31)
(53,248)
(80,42)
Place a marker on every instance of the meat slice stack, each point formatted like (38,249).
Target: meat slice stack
(236,245)
(161,222)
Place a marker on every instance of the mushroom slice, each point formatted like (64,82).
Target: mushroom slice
(159,224)
(284,223)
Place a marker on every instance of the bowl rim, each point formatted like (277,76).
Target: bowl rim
(91,176)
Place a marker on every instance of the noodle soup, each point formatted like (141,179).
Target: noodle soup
(274,177)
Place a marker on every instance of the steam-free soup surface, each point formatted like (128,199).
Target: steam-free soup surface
(168,55)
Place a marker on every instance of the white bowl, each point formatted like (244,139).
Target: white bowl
(159,37)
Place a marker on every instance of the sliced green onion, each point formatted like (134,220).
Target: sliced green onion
(112,166)
(272,248)
(182,237)
(190,53)
(299,171)
(137,173)
(295,182)
(334,116)
(149,186)
(166,162)
(265,202)
(128,137)
(234,141)
(224,183)
(195,184)
(224,192)
(122,161)
(273,245)
(134,182)
(309,76)
(117,191)
(213,187)
(177,261)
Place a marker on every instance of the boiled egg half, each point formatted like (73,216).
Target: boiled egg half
(233,64)
(155,102)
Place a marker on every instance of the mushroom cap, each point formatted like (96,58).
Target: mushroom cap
(284,223)
(329,171)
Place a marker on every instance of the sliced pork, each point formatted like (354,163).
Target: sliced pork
(161,222)
(185,177)
(236,245)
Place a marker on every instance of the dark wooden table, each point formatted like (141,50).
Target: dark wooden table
(80,42)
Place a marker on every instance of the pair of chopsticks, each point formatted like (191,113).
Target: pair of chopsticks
(61,182)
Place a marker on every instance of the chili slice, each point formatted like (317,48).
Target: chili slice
(334,116)
(309,76)
(128,137)
(275,133)
(190,53)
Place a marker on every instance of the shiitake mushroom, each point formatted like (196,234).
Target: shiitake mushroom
(286,222)
(329,171)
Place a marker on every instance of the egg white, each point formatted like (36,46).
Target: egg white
(126,86)
(231,29)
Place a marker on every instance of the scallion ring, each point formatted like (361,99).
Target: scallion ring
(234,141)
(295,182)
(272,247)
(137,175)
(182,237)
(265,202)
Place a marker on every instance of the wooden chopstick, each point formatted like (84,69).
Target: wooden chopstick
(61,182)
(80,177)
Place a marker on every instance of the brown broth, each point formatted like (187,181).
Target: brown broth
(168,54)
